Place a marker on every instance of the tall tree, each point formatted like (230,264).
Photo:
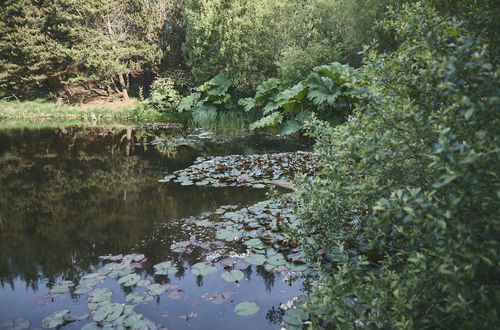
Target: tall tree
(35,38)
(119,39)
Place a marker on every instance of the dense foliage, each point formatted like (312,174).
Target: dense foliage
(405,212)
(326,92)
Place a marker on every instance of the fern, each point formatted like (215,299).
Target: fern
(272,120)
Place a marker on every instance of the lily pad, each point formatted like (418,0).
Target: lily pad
(256,259)
(165,268)
(99,295)
(276,260)
(57,319)
(233,275)
(129,280)
(246,308)
(61,288)
(254,243)
(202,269)
(17,324)
(295,317)
(108,313)
(156,289)
(176,294)
(227,234)
(138,298)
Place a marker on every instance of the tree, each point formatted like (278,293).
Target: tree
(35,38)
(405,210)
(118,40)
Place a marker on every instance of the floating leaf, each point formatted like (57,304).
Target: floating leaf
(228,234)
(295,317)
(202,269)
(99,295)
(108,313)
(156,289)
(176,294)
(165,268)
(138,298)
(46,299)
(62,287)
(57,319)
(256,259)
(254,242)
(276,260)
(246,308)
(129,280)
(233,275)
(17,324)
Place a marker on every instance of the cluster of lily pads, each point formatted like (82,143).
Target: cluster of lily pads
(245,170)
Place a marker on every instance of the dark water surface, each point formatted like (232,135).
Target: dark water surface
(71,194)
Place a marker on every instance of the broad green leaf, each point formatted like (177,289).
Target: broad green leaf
(202,269)
(129,280)
(246,308)
(256,259)
(165,268)
(290,127)
(108,313)
(233,275)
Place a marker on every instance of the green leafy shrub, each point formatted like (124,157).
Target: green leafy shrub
(163,95)
(404,215)
(326,92)
(208,99)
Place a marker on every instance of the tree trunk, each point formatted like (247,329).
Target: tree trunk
(123,86)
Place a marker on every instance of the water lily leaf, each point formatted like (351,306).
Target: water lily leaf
(176,294)
(202,269)
(143,283)
(99,295)
(138,298)
(227,234)
(93,306)
(46,299)
(165,268)
(129,280)
(233,275)
(57,319)
(297,267)
(108,313)
(17,324)
(254,242)
(295,317)
(246,308)
(156,289)
(276,260)
(62,287)
(256,259)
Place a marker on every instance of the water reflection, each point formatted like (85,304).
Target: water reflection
(71,194)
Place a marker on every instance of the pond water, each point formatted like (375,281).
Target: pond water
(70,194)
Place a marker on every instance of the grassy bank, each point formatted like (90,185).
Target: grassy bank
(42,109)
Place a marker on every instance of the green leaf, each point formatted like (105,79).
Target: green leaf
(202,269)
(233,275)
(165,268)
(129,280)
(272,120)
(189,102)
(108,313)
(247,103)
(57,319)
(256,259)
(246,308)
(290,127)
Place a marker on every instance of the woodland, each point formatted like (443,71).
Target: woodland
(401,99)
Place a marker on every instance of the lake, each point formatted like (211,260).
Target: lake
(73,192)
